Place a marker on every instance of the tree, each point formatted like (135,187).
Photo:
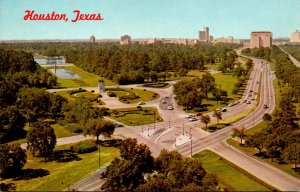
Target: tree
(257,140)
(12,124)
(41,138)
(165,159)
(12,158)
(127,172)
(205,119)
(34,103)
(99,126)
(207,83)
(217,115)
(292,154)
(240,133)
(57,103)
(267,117)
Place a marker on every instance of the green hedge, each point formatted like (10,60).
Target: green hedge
(85,147)
(76,91)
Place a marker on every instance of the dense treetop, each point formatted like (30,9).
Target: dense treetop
(134,63)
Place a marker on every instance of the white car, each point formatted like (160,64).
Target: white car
(170,107)
(192,119)
(163,101)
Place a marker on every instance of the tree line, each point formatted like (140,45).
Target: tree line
(135,63)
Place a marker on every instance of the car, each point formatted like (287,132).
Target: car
(249,95)
(223,109)
(255,93)
(141,103)
(166,97)
(253,99)
(118,125)
(192,119)
(138,107)
(248,102)
(237,102)
(163,101)
(251,91)
(265,106)
(230,104)
(170,107)
(190,116)
(245,101)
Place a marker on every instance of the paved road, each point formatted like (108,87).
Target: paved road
(295,61)
(164,134)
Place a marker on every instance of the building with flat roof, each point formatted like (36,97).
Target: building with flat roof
(295,37)
(125,40)
(261,39)
(43,60)
(204,35)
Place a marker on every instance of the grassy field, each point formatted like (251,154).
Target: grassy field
(86,95)
(134,116)
(230,175)
(143,94)
(87,79)
(57,175)
(251,151)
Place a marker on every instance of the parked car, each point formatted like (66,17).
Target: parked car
(170,107)
(248,102)
(163,101)
(230,104)
(245,101)
(265,106)
(190,116)
(118,125)
(223,109)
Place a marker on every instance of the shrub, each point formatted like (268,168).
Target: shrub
(111,94)
(93,91)
(85,146)
(76,91)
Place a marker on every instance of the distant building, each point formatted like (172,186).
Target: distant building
(125,40)
(261,39)
(204,35)
(43,60)
(295,37)
(92,39)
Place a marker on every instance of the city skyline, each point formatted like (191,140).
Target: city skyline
(143,19)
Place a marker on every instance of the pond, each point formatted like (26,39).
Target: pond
(64,74)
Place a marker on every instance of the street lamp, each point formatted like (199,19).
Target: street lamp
(191,146)
(99,154)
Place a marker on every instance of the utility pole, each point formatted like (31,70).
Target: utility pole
(182,128)
(190,132)
(148,131)
(169,124)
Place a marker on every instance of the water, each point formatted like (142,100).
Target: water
(64,74)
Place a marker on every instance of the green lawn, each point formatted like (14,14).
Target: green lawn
(62,174)
(230,175)
(134,116)
(251,151)
(227,82)
(87,79)
(87,95)
(143,94)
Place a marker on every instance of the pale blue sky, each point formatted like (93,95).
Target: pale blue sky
(150,18)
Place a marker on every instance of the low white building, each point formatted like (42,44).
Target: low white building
(43,60)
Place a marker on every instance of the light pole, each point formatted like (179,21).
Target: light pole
(191,146)
(99,154)
(148,131)
(169,124)
(154,119)
(182,128)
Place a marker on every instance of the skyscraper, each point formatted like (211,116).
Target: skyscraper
(92,39)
